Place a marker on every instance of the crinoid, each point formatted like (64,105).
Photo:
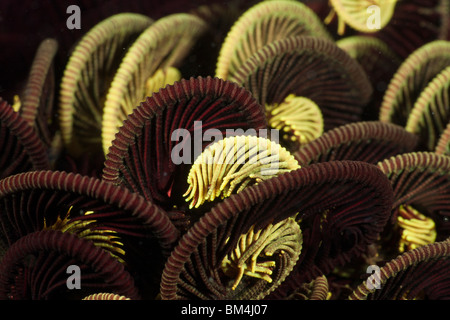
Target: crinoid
(36,102)
(246,246)
(229,150)
(411,79)
(167,132)
(21,148)
(121,223)
(366,16)
(105,296)
(231,164)
(421,185)
(418,274)
(262,24)
(88,75)
(309,67)
(299,119)
(36,267)
(370,141)
(443,144)
(150,64)
(379,62)
(317,289)
(431,111)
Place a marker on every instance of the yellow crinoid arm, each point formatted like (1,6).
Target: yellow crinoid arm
(17,103)
(362,15)
(231,164)
(416,229)
(298,118)
(87,77)
(86,229)
(148,65)
(253,255)
(161,78)
(262,24)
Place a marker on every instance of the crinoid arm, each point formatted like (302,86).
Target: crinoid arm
(231,164)
(251,256)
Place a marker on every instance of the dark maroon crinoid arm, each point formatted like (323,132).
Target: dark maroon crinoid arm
(40,200)
(443,144)
(422,180)
(341,206)
(35,267)
(21,149)
(140,157)
(38,97)
(310,67)
(411,80)
(378,61)
(317,289)
(422,273)
(30,197)
(360,141)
